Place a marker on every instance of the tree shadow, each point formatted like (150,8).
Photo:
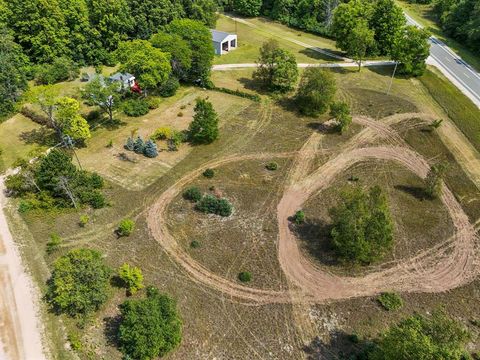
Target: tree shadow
(254,85)
(96,119)
(42,136)
(340,346)
(312,53)
(314,235)
(417,192)
(112,323)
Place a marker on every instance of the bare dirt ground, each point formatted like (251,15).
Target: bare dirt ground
(20,336)
(449,264)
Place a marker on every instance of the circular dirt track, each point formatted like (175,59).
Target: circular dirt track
(449,264)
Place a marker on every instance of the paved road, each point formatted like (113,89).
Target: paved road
(453,67)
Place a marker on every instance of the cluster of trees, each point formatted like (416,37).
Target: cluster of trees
(54,181)
(362,229)
(139,146)
(364,28)
(460,20)
(207,203)
(80,284)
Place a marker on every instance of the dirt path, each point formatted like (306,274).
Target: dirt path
(20,335)
(450,264)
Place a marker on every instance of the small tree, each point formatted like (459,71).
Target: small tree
(434,179)
(411,48)
(277,68)
(139,145)
(70,121)
(150,149)
(79,283)
(340,111)
(125,227)
(390,301)
(359,40)
(149,327)
(130,144)
(131,277)
(193,194)
(204,127)
(299,217)
(103,95)
(316,91)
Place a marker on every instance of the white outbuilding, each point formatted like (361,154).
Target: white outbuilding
(223,42)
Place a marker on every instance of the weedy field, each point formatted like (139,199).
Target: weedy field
(298,303)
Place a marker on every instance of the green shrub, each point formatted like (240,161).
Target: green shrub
(131,277)
(125,227)
(153,102)
(109,144)
(139,145)
(272,166)
(162,133)
(178,137)
(61,69)
(75,341)
(390,301)
(211,205)
(180,114)
(135,107)
(245,276)
(84,219)
(195,244)
(209,173)
(192,194)
(299,217)
(94,198)
(150,149)
(54,243)
(170,87)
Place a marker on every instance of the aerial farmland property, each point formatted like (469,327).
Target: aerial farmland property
(238,179)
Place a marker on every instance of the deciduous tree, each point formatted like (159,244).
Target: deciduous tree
(179,50)
(359,40)
(104,95)
(247,7)
(387,22)
(69,119)
(411,49)
(316,91)
(340,111)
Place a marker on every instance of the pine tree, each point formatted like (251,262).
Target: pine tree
(130,144)
(139,145)
(204,127)
(150,149)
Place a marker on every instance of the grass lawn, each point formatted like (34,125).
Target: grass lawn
(21,138)
(464,113)
(252,36)
(423,14)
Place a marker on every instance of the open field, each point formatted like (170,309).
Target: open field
(252,36)
(295,306)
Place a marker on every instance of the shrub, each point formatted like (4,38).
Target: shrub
(125,227)
(211,205)
(131,277)
(180,114)
(150,149)
(299,217)
(75,341)
(272,166)
(60,69)
(129,144)
(79,283)
(192,194)
(94,198)
(135,107)
(390,301)
(209,173)
(54,243)
(153,102)
(162,133)
(150,327)
(245,276)
(170,87)
(316,91)
(84,219)
(195,244)
(139,145)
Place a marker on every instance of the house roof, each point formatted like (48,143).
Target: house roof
(121,76)
(219,36)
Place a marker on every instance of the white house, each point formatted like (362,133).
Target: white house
(223,42)
(127,80)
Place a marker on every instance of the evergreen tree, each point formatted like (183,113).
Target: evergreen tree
(130,145)
(139,145)
(150,149)
(204,127)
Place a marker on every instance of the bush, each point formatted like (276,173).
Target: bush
(131,277)
(211,205)
(150,149)
(170,87)
(180,114)
(125,227)
(61,69)
(135,107)
(54,243)
(153,102)
(94,198)
(245,276)
(84,219)
(129,145)
(139,145)
(75,341)
(162,133)
(149,327)
(79,283)
(195,244)
(192,194)
(209,173)
(272,166)
(299,217)
(178,137)
(390,301)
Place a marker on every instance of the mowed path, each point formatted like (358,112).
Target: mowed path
(449,264)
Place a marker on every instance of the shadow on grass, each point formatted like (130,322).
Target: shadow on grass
(97,119)
(340,346)
(312,53)
(417,192)
(42,136)
(254,85)
(314,235)
(112,323)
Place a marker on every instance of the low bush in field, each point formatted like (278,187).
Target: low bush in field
(135,107)
(212,205)
(209,173)
(125,227)
(390,301)
(245,276)
(153,102)
(272,166)
(193,193)
(162,133)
